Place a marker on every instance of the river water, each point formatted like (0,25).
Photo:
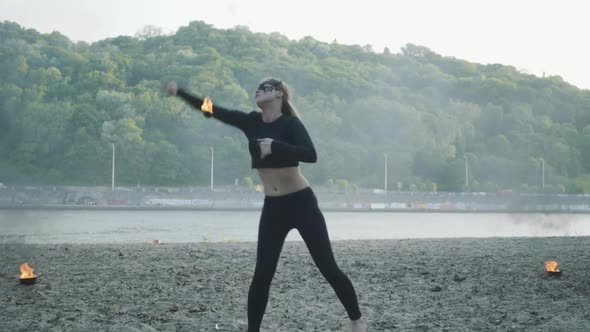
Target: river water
(108,226)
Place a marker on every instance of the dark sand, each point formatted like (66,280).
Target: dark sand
(494,284)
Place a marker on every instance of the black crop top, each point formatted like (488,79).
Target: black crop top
(291,142)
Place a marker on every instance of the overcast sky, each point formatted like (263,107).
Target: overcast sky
(533,36)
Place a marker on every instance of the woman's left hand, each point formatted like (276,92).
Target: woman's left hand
(265,144)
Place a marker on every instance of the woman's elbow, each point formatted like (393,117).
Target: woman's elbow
(313,157)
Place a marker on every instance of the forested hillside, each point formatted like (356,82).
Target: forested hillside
(63,104)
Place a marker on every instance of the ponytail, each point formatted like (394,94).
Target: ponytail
(287,108)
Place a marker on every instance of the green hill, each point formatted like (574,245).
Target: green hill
(62,104)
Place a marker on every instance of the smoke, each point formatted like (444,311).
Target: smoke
(547,224)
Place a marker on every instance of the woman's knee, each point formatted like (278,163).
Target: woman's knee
(263,274)
(331,271)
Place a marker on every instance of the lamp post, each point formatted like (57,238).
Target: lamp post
(542,173)
(466,171)
(212,158)
(385,177)
(113,170)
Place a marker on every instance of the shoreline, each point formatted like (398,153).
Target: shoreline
(325,209)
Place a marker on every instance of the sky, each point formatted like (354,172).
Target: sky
(535,37)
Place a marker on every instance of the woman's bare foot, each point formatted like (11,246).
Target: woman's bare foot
(359,325)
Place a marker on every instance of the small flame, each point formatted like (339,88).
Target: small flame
(207,105)
(551,266)
(26,272)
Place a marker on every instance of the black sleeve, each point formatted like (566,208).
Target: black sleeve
(231,117)
(302,148)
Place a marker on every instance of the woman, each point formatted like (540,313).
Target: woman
(278,141)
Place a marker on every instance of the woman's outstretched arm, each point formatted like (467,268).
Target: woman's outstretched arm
(231,117)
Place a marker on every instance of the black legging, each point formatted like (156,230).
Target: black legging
(279,215)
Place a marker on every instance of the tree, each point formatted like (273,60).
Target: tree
(247,182)
(149,31)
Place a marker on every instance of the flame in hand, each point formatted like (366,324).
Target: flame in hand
(26,272)
(207,105)
(551,266)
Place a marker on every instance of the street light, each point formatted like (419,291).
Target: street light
(542,173)
(212,157)
(385,178)
(113,171)
(466,171)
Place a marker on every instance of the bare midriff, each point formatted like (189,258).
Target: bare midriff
(282,181)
